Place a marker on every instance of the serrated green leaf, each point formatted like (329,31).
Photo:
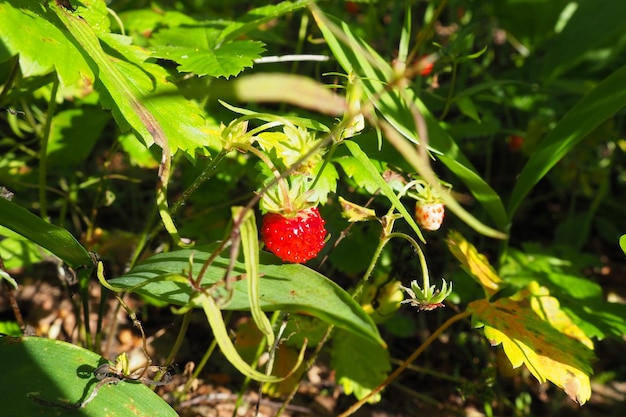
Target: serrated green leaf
(325,183)
(289,287)
(354,169)
(224,61)
(42,45)
(60,373)
(139,93)
(359,366)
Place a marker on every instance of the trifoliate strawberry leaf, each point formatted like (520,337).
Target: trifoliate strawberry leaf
(43,46)
(528,339)
(325,183)
(139,93)
(224,61)
(360,366)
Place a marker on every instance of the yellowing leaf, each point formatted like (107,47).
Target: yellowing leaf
(528,339)
(549,309)
(474,263)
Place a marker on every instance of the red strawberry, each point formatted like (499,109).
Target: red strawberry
(429,215)
(294,239)
(424,66)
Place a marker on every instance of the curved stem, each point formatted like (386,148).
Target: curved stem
(379,249)
(420,255)
(43,152)
(407,362)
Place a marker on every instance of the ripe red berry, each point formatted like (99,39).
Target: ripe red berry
(294,239)
(424,66)
(429,215)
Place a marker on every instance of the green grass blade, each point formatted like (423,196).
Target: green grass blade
(601,103)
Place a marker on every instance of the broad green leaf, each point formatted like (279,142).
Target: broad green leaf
(527,339)
(622,243)
(474,263)
(42,45)
(74,134)
(53,238)
(369,169)
(18,252)
(359,366)
(601,103)
(60,373)
(355,56)
(289,287)
(138,92)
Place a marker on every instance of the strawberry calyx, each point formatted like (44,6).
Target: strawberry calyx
(289,196)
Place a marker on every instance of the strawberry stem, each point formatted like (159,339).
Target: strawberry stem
(282,184)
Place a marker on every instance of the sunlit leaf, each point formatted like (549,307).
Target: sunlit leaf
(289,287)
(56,372)
(139,93)
(42,45)
(225,61)
(368,169)
(527,339)
(476,264)
(549,309)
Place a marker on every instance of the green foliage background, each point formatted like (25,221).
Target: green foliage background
(128,128)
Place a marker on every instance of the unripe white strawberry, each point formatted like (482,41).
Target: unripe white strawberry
(429,215)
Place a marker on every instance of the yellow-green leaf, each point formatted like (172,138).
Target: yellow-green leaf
(527,339)
(474,263)
(549,309)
